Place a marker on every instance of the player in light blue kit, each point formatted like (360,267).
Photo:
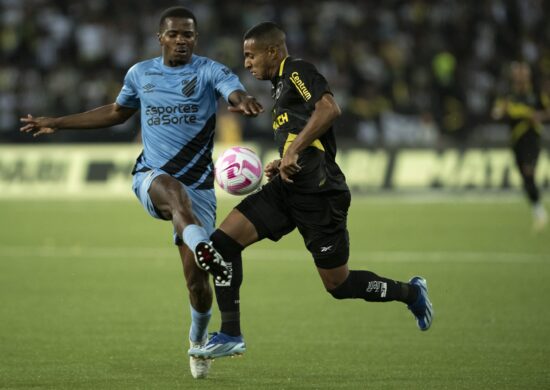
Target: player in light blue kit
(177,94)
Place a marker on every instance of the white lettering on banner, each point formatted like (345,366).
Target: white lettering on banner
(475,168)
(52,171)
(44,170)
(104,171)
(364,169)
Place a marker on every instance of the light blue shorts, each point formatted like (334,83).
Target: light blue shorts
(203,202)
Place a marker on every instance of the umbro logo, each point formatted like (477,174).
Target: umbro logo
(326,248)
(148,87)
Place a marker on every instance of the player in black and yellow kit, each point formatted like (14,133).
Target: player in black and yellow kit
(525,109)
(306,190)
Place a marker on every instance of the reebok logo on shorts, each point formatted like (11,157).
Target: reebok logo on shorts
(326,248)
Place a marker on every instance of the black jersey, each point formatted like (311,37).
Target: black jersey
(296,88)
(520,109)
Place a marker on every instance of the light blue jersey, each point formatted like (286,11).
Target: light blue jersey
(178,115)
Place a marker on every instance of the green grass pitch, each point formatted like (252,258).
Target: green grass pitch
(92,297)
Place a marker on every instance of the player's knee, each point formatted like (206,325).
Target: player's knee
(225,245)
(231,251)
(343,291)
(338,293)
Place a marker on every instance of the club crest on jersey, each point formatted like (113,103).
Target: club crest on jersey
(278,90)
(189,86)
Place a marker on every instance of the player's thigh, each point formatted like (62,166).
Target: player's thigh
(333,277)
(237,226)
(322,222)
(141,184)
(168,194)
(268,211)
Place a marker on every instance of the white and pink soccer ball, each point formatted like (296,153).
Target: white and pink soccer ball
(238,170)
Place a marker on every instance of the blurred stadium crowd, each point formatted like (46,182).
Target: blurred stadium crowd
(406,73)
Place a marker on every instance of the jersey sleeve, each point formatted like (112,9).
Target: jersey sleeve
(545,101)
(128,95)
(225,81)
(309,83)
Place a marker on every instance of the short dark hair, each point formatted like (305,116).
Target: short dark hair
(176,12)
(265,31)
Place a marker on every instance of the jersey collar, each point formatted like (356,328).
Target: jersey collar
(281,66)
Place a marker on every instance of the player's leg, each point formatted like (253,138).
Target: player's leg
(234,233)
(200,300)
(323,226)
(172,202)
(260,215)
(526,153)
(199,208)
(343,283)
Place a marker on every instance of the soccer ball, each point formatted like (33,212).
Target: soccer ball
(238,171)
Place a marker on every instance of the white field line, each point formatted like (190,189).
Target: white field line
(251,254)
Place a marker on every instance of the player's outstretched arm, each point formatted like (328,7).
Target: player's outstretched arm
(105,116)
(245,104)
(499,109)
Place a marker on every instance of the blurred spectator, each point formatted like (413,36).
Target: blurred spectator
(407,73)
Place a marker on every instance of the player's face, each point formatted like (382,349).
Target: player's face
(177,39)
(521,76)
(259,60)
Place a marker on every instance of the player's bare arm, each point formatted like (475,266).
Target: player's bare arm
(104,116)
(499,109)
(245,104)
(543,115)
(325,113)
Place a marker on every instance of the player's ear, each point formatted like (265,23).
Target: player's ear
(272,51)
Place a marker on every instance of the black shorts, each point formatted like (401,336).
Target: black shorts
(527,149)
(321,219)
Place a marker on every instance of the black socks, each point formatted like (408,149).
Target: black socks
(373,288)
(227,294)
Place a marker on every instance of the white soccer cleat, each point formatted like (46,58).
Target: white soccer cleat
(540,217)
(199,367)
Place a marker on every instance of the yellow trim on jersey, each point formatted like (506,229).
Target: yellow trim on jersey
(545,100)
(291,137)
(281,66)
(519,110)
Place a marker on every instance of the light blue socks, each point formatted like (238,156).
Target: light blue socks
(193,234)
(199,325)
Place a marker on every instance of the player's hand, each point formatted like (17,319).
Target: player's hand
(248,106)
(289,166)
(37,126)
(499,110)
(537,117)
(272,169)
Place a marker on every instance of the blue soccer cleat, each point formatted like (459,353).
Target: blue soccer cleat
(219,345)
(208,259)
(422,309)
